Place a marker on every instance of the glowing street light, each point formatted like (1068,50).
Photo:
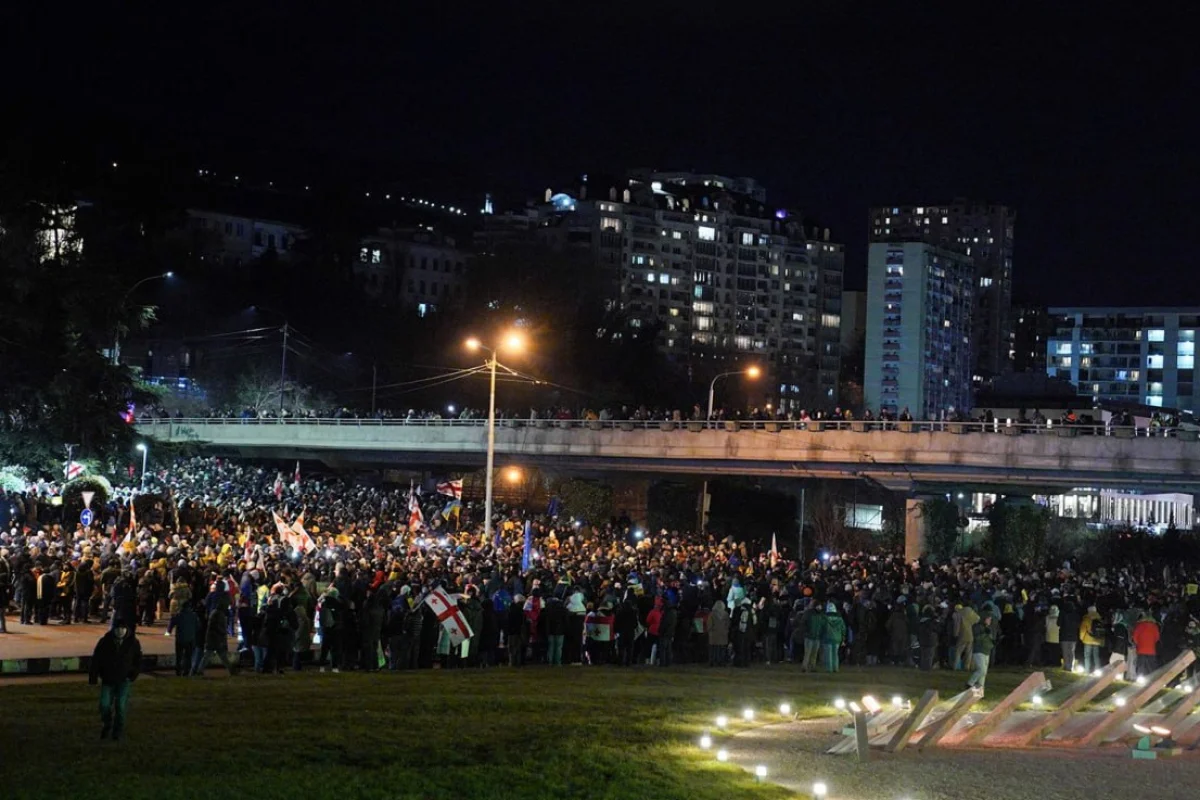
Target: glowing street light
(751,372)
(514,342)
(145,453)
(785,709)
(116,351)
(722,721)
(512,475)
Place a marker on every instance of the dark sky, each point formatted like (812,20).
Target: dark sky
(1085,124)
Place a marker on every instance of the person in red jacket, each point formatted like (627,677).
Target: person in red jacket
(1145,638)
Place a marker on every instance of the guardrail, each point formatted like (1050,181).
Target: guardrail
(696,426)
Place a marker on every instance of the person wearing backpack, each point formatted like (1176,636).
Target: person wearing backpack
(1091,634)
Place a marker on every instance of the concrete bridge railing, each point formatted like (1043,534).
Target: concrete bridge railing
(894,453)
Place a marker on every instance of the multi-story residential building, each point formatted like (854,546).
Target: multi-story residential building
(1134,355)
(233,240)
(1031,329)
(920,300)
(721,278)
(415,268)
(983,231)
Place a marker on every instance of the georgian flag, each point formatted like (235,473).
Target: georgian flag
(451,619)
(279,486)
(416,520)
(451,488)
(285,533)
(300,539)
(774,551)
(74,469)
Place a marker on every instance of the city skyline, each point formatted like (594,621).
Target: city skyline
(1060,119)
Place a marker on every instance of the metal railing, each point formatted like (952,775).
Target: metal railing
(815,426)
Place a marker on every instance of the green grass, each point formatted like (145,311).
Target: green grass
(501,733)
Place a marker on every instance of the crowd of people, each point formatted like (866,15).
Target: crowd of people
(203,558)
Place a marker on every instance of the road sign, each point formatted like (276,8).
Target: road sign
(85,517)
(87,498)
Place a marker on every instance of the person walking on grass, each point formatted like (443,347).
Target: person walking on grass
(984,642)
(115,664)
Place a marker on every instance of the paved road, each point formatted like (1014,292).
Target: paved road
(71,641)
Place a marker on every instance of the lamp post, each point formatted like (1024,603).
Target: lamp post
(751,372)
(116,349)
(515,343)
(145,452)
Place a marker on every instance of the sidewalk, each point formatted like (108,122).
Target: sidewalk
(44,649)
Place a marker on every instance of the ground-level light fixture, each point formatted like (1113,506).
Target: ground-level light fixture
(722,721)
(722,755)
(760,771)
(897,701)
(705,742)
(785,708)
(748,714)
(819,790)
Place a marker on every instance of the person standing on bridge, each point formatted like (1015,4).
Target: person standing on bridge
(115,663)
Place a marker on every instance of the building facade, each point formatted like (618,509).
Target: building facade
(984,232)
(1132,355)
(1031,330)
(721,279)
(233,240)
(920,301)
(417,268)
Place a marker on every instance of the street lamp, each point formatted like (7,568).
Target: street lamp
(751,372)
(514,342)
(145,452)
(116,350)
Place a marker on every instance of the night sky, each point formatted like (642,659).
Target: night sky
(1085,124)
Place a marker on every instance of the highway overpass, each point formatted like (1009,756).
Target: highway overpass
(902,456)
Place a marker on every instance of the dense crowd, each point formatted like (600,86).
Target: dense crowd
(203,558)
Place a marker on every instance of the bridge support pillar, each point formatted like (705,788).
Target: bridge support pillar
(914,529)
(631,498)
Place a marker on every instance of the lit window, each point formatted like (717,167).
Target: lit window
(945,220)
(610,224)
(1155,335)
(1186,348)
(748,238)
(1154,362)
(831,320)
(707,234)
(664,278)
(650,277)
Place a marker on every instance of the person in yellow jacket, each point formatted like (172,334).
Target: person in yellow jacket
(1091,634)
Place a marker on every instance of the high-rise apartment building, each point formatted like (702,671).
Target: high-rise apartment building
(1031,329)
(982,231)
(723,279)
(1132,355)
(920,300)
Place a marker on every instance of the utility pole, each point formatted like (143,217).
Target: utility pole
(800,550)
(283,369)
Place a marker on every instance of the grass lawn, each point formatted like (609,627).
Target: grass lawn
(500,733)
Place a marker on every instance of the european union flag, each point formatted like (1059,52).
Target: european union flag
(527,553)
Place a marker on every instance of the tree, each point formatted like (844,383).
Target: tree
(586,500)
(1017,533)
(942,527)
(62,303)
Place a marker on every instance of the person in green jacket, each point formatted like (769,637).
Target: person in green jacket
(833,633)
(981,652)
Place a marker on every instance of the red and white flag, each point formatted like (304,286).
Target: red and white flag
(416,520)
(285,533)
(300,538)
(451,488)
(279,486)
(774,551)
(296,478)
(74,470)
(452,620)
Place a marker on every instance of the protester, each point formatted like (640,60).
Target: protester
(115,663)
